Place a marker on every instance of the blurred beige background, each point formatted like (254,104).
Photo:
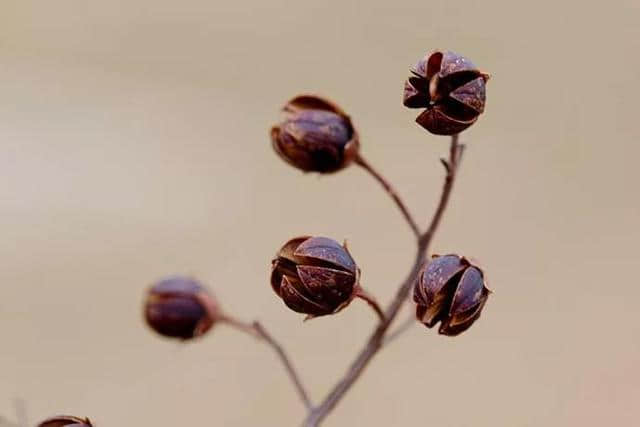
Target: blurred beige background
(133,144)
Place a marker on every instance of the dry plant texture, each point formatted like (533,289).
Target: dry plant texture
(132,143)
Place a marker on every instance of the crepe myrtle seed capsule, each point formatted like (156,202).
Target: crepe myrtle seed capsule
(316,276)
(180,307)
(65,420)
(452,291)
(450,88)
(315,135)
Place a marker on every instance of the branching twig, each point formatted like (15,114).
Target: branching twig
(376,340)
(370,299)
(451,167)
(258,331)
(360,160)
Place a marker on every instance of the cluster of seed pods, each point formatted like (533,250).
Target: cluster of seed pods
(317,276)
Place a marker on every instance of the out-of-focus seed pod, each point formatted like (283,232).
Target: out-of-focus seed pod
(314,275)
(452,291)
(315,135)
(180,307)
(450,88)
(66,421)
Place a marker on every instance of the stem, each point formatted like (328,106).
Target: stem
(258,331)
(361,161)
(371,300)
(376,340)
(451,166)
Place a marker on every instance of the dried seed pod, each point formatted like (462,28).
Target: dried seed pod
(315,135)
(452,291)
(450,88)
(314,275)
(180,307)
(66,420)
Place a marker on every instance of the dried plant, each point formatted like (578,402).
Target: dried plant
(318,276)
(66,420)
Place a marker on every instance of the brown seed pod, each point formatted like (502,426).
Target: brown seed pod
(452,291)
(180,307)
(66,420)
(315,135)
(450,88)
(314,275)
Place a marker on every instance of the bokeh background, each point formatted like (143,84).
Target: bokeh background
(133,144)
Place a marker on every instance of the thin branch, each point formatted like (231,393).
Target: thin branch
(376,340)
(451,167)
(258,331)
(295,378)
(361,161)
(371,300)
